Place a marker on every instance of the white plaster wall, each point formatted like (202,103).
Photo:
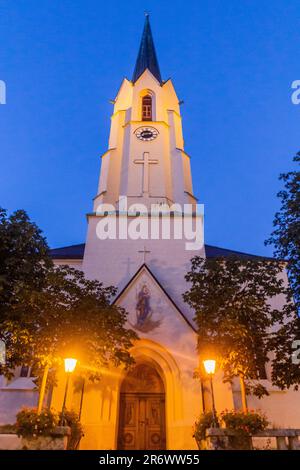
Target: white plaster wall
(114,262)
(123,99)
(12,400)
(172,334)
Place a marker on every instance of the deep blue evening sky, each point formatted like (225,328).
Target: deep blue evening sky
(232,62)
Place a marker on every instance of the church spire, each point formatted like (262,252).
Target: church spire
(147,56)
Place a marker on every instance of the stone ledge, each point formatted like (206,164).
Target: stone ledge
(226,439)
(56,440)
(7,429)
(58,431)
(219,432)
(278,433)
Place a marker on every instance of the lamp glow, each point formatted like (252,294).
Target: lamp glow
(70,364)
(210,366)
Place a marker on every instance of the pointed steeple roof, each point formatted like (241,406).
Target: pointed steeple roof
(147,56)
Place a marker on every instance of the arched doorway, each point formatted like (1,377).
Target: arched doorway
(142,410)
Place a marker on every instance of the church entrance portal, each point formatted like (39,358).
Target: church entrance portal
(142,410)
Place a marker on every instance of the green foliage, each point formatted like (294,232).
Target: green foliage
(234,313)
(71,419)
(23,256)
(204,422)
(248,423)
(24,263)
(48,312)
(244,423)
(76,317)
(286,235)
(30,423)
(285,372)
(286,241)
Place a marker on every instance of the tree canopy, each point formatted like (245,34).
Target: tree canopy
(234,312)
(286,241)
(48,312)
(286,234)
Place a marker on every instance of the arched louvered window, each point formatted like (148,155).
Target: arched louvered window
(147,108)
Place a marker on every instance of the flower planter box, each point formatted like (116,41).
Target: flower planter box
(227,439)
(224,439)
(238,442)
(58,440)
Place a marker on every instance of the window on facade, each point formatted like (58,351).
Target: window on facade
(147,108)
(27,371)
(262,373)
(24,371)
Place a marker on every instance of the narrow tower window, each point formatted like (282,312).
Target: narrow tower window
(147,108)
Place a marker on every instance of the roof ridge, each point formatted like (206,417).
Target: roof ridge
(236,251)
(67,246)
(212,251)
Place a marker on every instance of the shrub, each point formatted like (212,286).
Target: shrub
(30,423)
(204,422)
(71,419)
(247,423)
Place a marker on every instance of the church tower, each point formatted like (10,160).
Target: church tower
(147,166)
(154,405)
(145,160)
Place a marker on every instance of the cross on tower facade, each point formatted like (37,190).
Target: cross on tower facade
(146,161)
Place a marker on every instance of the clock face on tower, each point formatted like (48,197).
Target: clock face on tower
(146,133)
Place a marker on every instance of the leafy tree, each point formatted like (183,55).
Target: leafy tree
(285,343)
(23,257)
(286,241)
(24,262)
(52,311)
(83,321)
(234,314)
(286,235)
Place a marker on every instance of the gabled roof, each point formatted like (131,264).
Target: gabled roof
(77,251)
(217,252)
(146,58)
(68,252)
(146,268)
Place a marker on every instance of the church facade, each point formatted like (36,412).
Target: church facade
(154,405)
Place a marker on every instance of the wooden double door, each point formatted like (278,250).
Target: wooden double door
(142,421)
(142,411)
